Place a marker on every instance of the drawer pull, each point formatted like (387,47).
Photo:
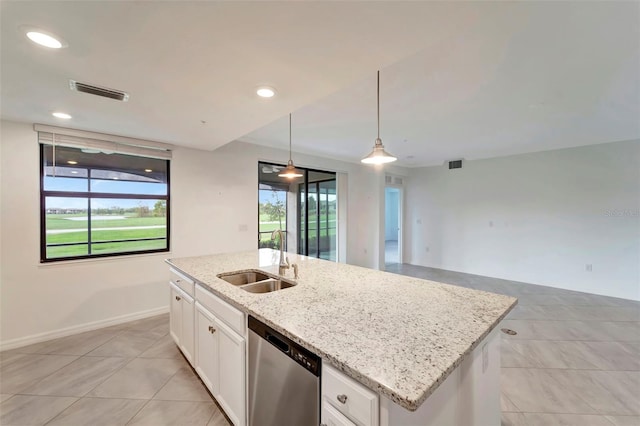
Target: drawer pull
(178,298)
(211,329)
(178,281)
(342,399)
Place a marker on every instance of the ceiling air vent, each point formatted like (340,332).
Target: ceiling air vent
(98,91)
(456,164)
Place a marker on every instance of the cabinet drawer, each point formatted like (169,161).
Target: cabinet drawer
(332,417)
(350,398)
(221,309)
(182,281)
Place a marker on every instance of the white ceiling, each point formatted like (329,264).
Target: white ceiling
(458,80)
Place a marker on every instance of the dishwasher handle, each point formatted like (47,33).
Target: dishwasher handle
(275,341)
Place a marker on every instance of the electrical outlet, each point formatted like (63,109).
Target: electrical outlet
(588,267)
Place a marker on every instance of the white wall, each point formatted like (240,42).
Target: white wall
(214,209)
(538,218)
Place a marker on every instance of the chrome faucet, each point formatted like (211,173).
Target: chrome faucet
(284,262)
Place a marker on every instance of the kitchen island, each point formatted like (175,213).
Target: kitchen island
(400,337)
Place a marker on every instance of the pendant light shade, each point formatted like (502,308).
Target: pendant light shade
(378,155)
(290,171)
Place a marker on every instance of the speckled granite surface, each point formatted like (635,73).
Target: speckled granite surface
(399,336)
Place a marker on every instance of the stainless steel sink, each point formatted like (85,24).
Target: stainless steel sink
(256,281)
(243,278)
(267,286)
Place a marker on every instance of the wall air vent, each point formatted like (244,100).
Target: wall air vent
(393,180)
(98,91)
(456,164)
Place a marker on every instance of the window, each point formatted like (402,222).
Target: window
(97,203)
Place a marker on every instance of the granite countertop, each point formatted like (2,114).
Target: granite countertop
(397,335)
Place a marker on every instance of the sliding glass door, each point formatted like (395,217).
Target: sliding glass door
(317,215)
(304,208)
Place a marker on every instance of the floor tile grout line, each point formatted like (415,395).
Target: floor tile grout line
(568,320)
(605,416)
(504,395)
(125,363)
(50,374)
(575,394)
(153,396)
(570,369)
(57,415)
(165,383)
(137,412)
(565,340)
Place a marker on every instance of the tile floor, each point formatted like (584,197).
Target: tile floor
(130,374)
(575,361)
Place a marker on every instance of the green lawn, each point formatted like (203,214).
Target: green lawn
(80,250)
(273,226)
(96,236)
(59,222)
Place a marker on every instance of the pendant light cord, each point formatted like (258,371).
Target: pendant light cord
(378,104)
(289,137)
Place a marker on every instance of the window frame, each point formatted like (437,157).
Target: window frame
(87,195)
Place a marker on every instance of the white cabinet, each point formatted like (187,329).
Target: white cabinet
(221,359)
(231,380)
(181,320)
(206,349)
(469,396)
(332,417)
(350,398)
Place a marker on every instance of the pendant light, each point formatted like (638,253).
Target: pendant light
(378,155)
(290,171)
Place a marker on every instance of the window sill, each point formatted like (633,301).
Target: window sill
(54,263)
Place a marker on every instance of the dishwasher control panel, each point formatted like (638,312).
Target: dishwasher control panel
(309,362)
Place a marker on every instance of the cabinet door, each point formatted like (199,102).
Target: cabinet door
(206,352)
(186,337)
(332,417)
(175,313)
(232,382)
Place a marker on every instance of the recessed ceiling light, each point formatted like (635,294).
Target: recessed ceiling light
(115,178)
(62,115)
(45,39)
(74,172)
(266,92)
(72,162)
(148,170)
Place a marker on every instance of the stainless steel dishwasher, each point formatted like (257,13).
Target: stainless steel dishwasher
(284,380)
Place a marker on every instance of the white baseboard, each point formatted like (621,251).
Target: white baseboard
(75,329)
